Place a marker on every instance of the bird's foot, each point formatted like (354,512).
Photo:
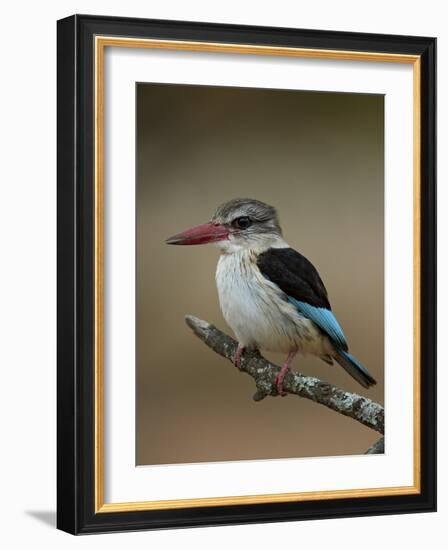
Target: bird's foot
(281,375)
(279,381)
(237,358)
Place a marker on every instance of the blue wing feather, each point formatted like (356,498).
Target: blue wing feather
(324,319)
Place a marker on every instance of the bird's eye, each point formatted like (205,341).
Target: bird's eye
(242,222)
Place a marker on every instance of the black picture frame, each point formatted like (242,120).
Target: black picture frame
(76,263)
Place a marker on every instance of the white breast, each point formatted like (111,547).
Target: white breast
(257,312)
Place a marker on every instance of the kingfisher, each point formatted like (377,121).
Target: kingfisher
(270,295)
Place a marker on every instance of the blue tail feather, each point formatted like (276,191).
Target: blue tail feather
(354,368)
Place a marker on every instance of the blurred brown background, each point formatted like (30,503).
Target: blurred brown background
(317,157)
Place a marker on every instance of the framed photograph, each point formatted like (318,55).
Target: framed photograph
(246,274)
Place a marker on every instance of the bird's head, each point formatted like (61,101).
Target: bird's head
(235,225)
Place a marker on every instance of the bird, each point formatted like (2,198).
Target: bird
(271,296)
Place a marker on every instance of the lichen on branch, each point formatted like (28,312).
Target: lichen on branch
(263,372)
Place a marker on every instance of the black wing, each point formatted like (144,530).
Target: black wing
(294,275)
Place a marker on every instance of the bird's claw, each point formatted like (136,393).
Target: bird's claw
(279,385)
(281,375)
(237,358)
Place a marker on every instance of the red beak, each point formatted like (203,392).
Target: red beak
(201,234)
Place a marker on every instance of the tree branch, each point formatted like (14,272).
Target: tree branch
(355,406)
(377,448)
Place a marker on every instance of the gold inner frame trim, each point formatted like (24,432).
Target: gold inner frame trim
(101,42)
